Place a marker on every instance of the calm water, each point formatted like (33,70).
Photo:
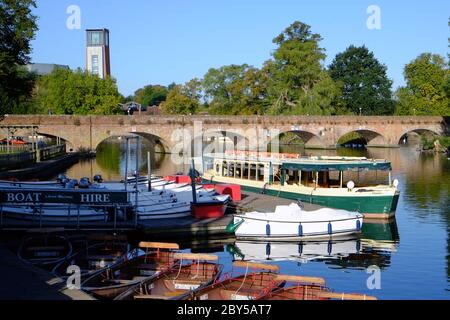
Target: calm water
(412,251)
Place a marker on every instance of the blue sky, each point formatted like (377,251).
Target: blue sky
(159,42)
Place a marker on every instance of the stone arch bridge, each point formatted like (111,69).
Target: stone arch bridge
(87,132)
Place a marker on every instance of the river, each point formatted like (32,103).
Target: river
(412,252)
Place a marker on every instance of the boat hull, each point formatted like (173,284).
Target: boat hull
(372,206)
(256,230)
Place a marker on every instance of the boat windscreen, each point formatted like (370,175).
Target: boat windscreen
(341,166)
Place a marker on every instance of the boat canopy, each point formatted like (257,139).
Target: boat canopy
(337,166)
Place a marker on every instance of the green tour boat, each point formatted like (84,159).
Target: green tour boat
(350,183)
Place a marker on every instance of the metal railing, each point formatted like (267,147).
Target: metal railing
(13,160)
(11,217)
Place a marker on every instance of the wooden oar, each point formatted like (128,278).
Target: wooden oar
(159,245)
(195,256)
(301,279)
(345,296)
(253,265)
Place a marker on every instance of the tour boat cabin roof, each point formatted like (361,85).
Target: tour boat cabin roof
(314,163)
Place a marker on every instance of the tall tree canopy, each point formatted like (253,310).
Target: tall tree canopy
(76,92)
(17,29)
(365,82)
(296,67)
(234,89)
(151,95)
(427,90)
(183,99)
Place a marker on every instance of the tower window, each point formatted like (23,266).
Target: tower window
(95,38)
(95,67)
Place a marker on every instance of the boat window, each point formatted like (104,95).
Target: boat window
(366,178)
(260,172)
(334,179)
(308,179)
(277,174)
(292,177)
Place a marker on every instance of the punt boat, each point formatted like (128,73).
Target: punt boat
(257,280)
(44,251)
(118,278)
(99,252)
(306,288)
(178,280)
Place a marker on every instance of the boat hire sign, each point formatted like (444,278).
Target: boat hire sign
(85,197)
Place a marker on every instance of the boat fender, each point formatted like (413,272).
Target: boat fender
(300,230)
(268,250)
(330,228)
(268,229)
(358,225)
(330,248)
(358,246)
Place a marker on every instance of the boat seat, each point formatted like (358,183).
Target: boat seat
(183,284)
(228,294)
(174,293)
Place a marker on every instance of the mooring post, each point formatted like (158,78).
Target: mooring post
(7,140)
(138,147)
(149,171)
(192,175)
(126,164)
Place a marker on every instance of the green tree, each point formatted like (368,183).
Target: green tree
(183,99)
(365,82)
(151,95)
(76,92)
(17,29)
(235,89)
(295,69)
(427,90)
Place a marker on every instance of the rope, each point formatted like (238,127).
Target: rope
(242,284)
(179,269)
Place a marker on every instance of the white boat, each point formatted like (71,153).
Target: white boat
(290,223)
(55,213)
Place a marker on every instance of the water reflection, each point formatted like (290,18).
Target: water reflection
(378,241)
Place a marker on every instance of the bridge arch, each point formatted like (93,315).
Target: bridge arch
(161,146)
(368,138)
(220,140)
(417,134)
(310,140)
